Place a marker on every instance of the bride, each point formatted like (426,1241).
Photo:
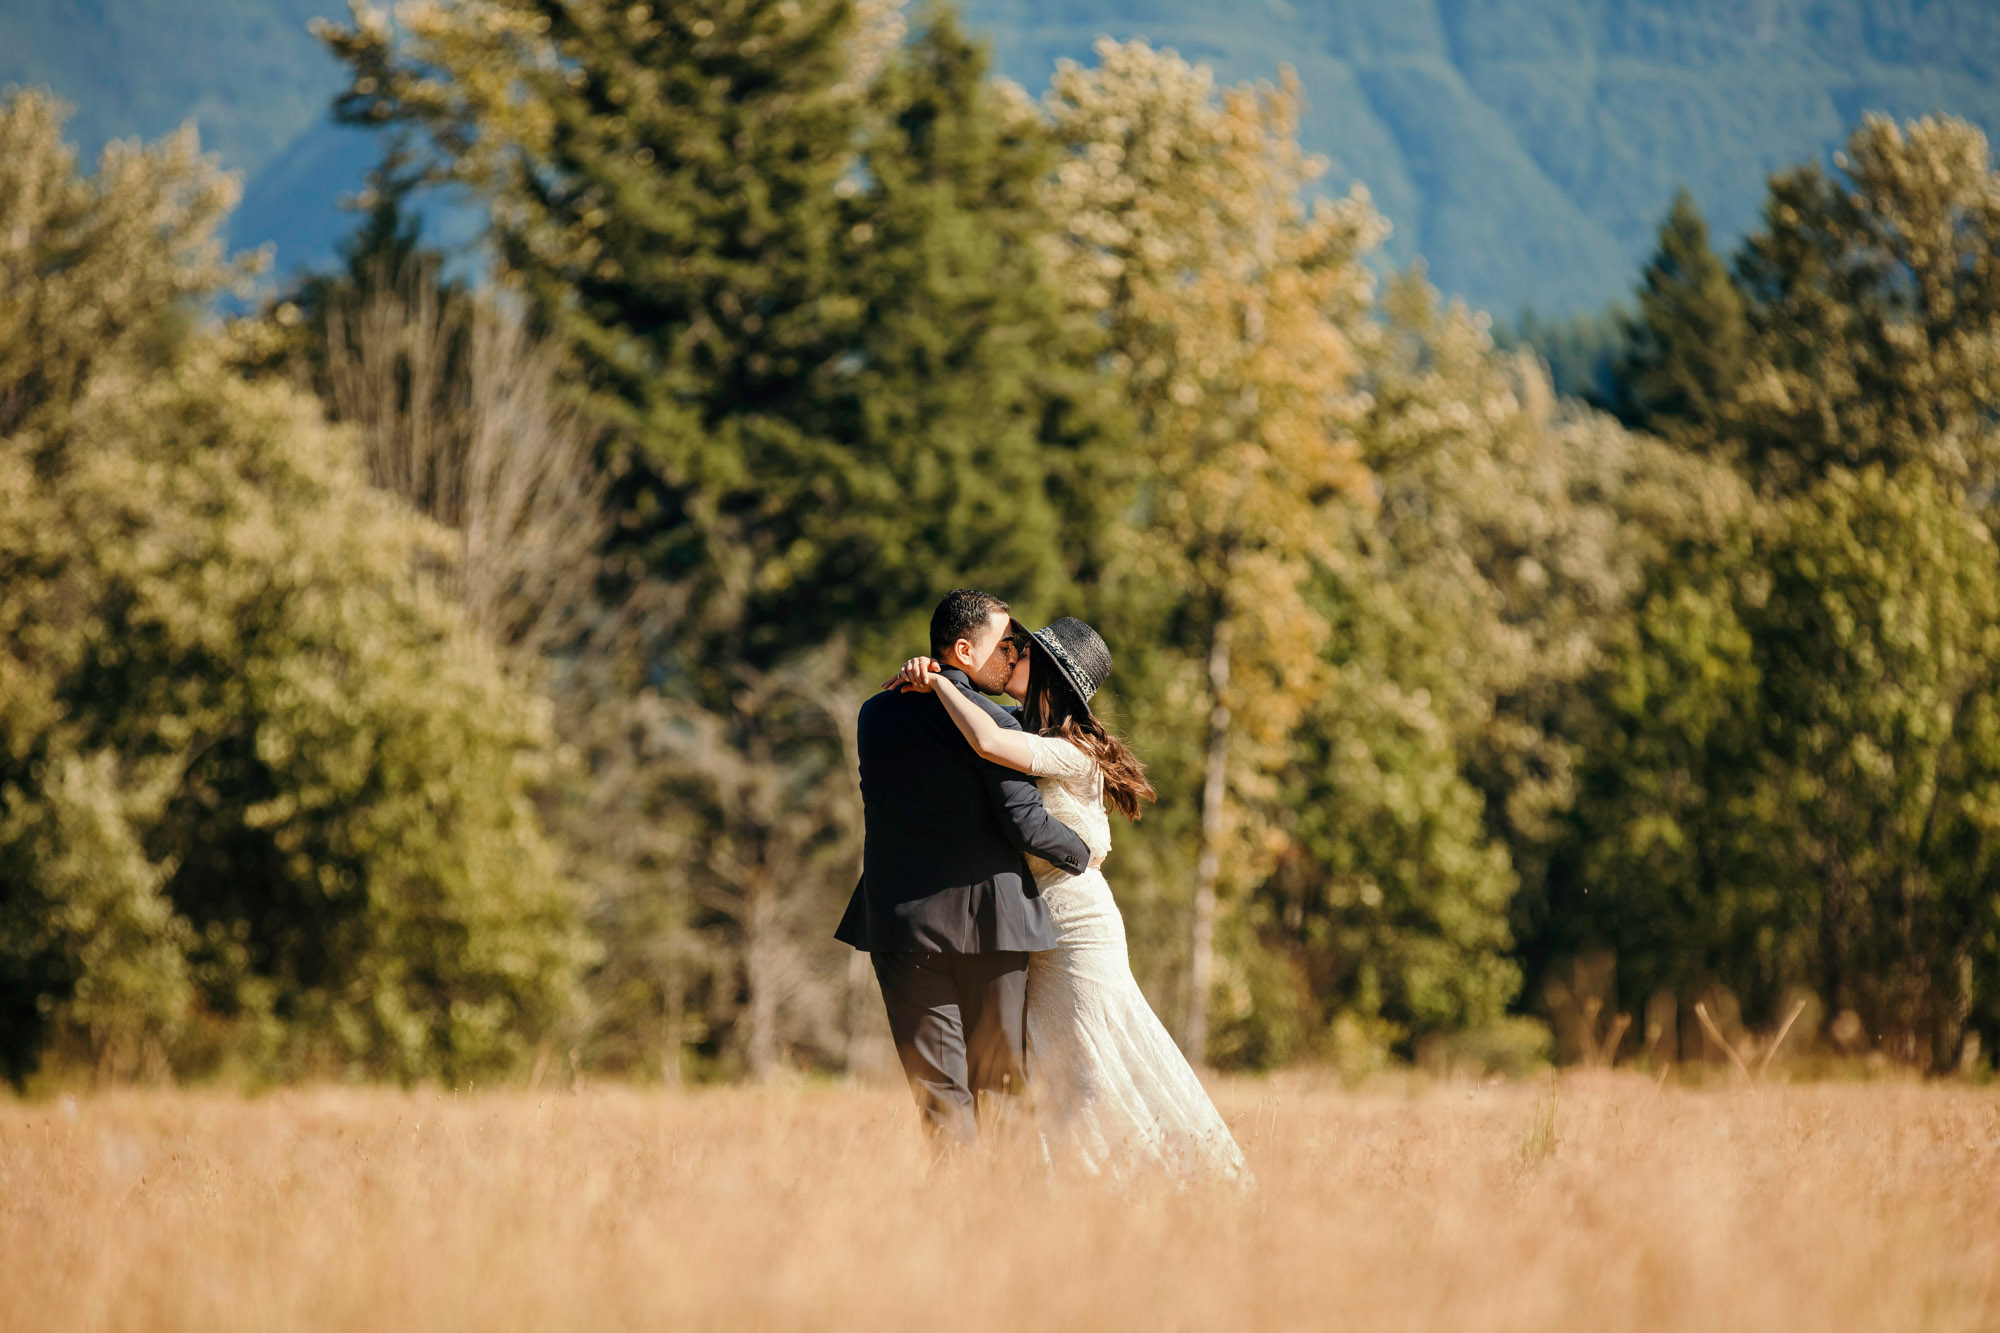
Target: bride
(1113,1094)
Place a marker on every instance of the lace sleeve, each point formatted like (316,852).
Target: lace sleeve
(1057,758)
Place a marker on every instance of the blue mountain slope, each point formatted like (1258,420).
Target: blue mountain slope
(248,74)
(246,71)
(1525,148)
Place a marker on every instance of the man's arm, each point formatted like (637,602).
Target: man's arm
(1030,827)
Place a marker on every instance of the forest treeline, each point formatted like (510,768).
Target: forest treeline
(414,679)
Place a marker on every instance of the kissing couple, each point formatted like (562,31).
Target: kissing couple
(999,948)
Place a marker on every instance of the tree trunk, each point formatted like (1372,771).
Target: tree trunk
(1208,867)
(673,1022)
(1833,948)
(761,964)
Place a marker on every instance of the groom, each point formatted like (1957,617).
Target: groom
(946,903)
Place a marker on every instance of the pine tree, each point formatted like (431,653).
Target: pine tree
(384,252)
(666,188)
(805,289)
(1686,347)
(1795,786)
(970,390)
(1581,350)
(804,270)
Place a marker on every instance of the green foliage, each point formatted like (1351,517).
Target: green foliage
(1512,539)
(1875,301)
(88,942)
(267,800)
(1664,768)
(1880,679)
(1787,765)
(1443,679)
(965,424)
(802,268)
(1685,348)
(810,299)
(1390,904)
(1797,788)
(1580,351)
(105,268)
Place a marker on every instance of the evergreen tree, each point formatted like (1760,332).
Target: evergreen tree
(662,185)
(1795,786)
(384,252)
(971,393)
(805,291)
(1581,350)
(803,267)
(1686,346)
(1512,536)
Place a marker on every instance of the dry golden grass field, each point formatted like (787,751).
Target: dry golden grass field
(1591,1202)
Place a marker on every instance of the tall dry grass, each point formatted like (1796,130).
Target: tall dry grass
(1594,1202)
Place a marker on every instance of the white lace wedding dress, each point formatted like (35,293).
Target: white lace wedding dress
(1113,1094)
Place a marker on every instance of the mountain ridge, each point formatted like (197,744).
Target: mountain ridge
(1524,148)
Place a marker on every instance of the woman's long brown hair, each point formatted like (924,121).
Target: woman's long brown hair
(1053,709)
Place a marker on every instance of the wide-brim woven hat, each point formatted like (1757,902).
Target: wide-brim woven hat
(1078,652)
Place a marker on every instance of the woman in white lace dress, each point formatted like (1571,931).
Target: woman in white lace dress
(1113,1094)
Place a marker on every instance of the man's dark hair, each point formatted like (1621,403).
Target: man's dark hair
(961,615)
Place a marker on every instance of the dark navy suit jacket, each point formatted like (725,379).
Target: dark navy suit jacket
(942,867)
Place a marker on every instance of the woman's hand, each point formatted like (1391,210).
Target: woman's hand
(919,673)
(1010,749)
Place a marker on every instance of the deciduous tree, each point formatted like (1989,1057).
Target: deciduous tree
(268,796)
(1233,309)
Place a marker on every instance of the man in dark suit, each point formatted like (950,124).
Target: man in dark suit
(946,904)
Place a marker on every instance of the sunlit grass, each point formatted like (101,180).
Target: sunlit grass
(1590,1202)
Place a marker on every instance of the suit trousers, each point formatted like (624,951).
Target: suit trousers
(960,1024)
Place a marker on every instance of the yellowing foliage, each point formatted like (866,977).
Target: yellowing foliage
(1236,313)
(267,797)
